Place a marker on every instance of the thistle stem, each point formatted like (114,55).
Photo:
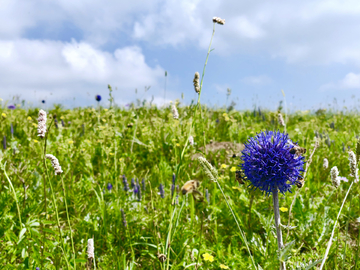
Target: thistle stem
(277,225)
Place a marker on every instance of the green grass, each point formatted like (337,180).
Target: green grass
(151,149)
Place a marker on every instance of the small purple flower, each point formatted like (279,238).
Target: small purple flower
(162,191)
(123,217)
(207,195)
(136,189)
(126,185)
(342,178)
(109,186)
(132,183)
(217,121)
(139,192)
(98,98)
(143,184)
(12,107)
(62,123)
(37,268)
(43,101)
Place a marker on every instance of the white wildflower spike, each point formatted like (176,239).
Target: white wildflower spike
(209,170)
(175,112)
(325,163)
(42,124)
(191,140)
(281,120)
(90,249)
(353,166)
(196,82)
(219,20)
(54,163)
(335,179)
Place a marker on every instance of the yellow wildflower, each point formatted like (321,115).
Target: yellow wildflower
(70,142)
(35,125)
(62,117)
(121,159)
(103,120)
(35,141)
(223,266)
(105,110)
(223,166)
(283,209)
(29,118)
(178,144)
(233,169)
(208,257)
(224,114)
(111,154)
(239,189)
(227,118)
(87,141)
(3,115)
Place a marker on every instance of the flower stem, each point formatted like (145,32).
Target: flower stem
(277,225)
(332,233)
(13,190)
(68,218)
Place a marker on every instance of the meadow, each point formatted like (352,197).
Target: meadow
(107,187)
(119,189)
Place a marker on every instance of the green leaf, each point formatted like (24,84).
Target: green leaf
(285,251)
(311,265)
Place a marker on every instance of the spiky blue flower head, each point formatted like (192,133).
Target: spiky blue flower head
(268,163)
(98,98)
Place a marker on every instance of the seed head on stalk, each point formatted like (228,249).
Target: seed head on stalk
(335,179)
(54,163)
(42,124)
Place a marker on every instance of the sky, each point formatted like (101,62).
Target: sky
(67,52)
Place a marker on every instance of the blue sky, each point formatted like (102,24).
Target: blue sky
(68,51)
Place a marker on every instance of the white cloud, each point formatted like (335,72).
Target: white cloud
(350,81)
(320,32)
(72,70)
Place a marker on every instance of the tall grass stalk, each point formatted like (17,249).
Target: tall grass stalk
(168,239)
(68,218)
(13,190)
(332,233)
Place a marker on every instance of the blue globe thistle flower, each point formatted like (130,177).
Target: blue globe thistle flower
(268,163)
(11,107)
(98,97)
(43,101)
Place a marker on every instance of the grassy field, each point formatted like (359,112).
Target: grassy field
(151,229)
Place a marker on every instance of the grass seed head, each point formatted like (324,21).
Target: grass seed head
(334,174)
(196,82)
(175,112)
(42,124)
(353,166)
(281,120)
(54,163)
(219,20)
(90,249)
(325,163)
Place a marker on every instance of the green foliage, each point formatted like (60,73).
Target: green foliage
(109,147)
